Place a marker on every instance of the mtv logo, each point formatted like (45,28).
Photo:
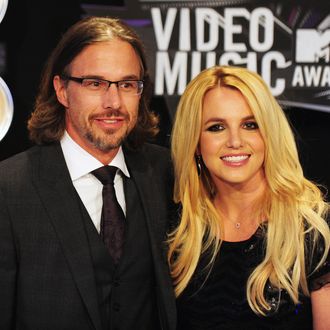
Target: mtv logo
(312,46)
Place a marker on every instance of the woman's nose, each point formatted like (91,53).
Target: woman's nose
(234,139)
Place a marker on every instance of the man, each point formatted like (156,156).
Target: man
(55,270)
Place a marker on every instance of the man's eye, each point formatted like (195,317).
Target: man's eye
(251,125)
(215,128)
(127,85)
(93,83)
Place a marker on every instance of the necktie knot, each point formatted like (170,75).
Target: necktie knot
(105,174)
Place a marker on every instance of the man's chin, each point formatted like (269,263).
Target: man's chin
(106,141)
(106,145)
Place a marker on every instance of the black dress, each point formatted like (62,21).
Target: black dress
(218,301)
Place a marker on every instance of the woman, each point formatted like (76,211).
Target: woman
(251,249)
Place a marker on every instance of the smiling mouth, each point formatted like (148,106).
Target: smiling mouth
(110,121)
(235,159)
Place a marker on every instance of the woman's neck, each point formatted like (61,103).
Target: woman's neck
(240,210)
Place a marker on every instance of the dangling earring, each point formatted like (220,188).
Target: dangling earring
(198,159)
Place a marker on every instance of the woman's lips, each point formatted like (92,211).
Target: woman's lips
(235,160)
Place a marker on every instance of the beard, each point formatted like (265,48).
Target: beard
(102,139)
(107,140)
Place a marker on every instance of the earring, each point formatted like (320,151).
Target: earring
(198,159)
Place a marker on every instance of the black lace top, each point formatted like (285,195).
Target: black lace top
(219,301)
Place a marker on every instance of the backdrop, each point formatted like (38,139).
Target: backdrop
(287,42)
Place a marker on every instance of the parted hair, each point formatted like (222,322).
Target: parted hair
(47,121)
(294,207)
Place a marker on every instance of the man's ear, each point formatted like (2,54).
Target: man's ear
(60,90)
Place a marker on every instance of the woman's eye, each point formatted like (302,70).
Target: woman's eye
(251,125)
(215,128)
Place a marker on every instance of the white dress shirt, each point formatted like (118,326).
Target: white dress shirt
(80,163)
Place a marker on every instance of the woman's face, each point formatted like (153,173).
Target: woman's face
(230,143)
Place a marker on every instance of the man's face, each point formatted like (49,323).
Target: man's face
(99,121)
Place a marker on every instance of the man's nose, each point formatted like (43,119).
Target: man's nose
(112,98)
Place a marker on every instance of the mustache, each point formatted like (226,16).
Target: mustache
(109,113)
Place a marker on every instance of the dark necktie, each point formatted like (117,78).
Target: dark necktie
(112,219)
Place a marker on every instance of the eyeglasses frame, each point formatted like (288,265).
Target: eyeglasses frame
(81,79)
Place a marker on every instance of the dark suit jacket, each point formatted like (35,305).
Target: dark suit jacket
(46,272)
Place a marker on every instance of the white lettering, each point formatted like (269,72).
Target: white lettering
(210,59)
(232,58)
(196,59)
(171,76)
(184,40)
(312,46)
(312,75)
(231,29)
(326,77)
(163,33)
(210,17)
(266,65)
(298,77)
(264,17)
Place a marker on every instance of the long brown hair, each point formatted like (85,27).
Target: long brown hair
(47,121)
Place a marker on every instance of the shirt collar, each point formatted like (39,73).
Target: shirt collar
(80,162)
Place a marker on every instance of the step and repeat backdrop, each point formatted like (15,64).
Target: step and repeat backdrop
(287,42)
(6,100)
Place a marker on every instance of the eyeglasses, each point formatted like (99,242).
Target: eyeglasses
(127,87)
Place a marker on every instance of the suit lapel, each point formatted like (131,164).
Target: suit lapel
(59,197)
(154,208)
(143,175)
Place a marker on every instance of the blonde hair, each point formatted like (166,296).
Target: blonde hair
(293,205)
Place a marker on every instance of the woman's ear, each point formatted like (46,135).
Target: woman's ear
(197,151)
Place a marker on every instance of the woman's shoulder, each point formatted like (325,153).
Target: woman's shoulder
(317,258)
